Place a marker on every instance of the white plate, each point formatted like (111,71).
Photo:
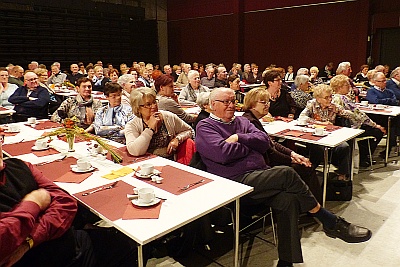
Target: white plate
(39,149)
(146,176)
(8,131)
(75,169)
(136,202)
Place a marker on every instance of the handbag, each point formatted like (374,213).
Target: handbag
(337,190)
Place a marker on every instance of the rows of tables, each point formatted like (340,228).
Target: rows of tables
(143,225)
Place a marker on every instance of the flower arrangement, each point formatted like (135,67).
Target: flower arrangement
(70,130)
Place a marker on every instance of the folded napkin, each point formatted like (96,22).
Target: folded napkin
(127,158)
(118,173)
(174,179)
(294,133)
(60,171)
(113,203)
(26,148)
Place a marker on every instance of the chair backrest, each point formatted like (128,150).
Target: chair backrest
(197,162)
(185,151)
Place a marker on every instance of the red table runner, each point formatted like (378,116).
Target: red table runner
(113,203)
(174,179)
(127,158)
(26,148)
(60,171)
(42,125)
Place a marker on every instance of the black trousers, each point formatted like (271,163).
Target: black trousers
(282,189)
(363,145)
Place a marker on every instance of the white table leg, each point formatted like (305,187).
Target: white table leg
(140,255)
(352,159)
(388,140)
(237,209)
(325,175)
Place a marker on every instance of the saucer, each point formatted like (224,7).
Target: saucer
(136,202)
(324,134)
(146,176)
(8,131)
(75,169)
(39,149)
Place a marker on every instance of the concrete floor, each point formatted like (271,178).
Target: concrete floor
(375,204)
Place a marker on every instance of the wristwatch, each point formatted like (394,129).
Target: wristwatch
(29,240)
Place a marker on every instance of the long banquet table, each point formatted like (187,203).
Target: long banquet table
(179,208)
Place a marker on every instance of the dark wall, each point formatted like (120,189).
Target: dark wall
(301,36)
(81,31)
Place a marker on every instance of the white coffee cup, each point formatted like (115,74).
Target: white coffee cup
(83,164)
(32,120)
(319,131)
(379,106)
(146,195)
(364,103)
(146,169)
(13,128)
(41,144)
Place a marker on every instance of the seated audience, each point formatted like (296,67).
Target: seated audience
(99,80)
(144,77)
(393,83)
(301,94)
(154,131)
(90,72)
(183,78)
(233,148)
(176,71)
(189,93)
(35,225)
(30,100)
(168,100)
(341,86)
(83,106)
(221,77)
(74,75)
(110,120)
(314,79)
(322,111)
(246,72)
(362,75)
(16,75)
(55,100)
(234,84)
(6,89)
(254,76)
(282,104)
(378,94)
(82,69)
(345,69)
(256,106)
(203,102)
(289,76)
(127,82)
(113,75)
(328,72)
(57,77)
(209,79)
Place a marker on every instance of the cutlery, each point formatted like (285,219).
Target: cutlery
(101,189)
(50,161)
(186,187)
(135,196)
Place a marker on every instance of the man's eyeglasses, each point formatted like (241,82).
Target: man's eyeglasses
(149,105)
(32,80)
(227,102)
(381,81)
(277,80)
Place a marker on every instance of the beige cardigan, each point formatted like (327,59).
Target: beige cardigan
(138,140)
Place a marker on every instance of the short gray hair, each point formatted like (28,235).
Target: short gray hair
(136,98)
(215,92)
(302,71)
(342,66)
(203,99)
(300,79)
(123,79)
(394,72)
(191,73)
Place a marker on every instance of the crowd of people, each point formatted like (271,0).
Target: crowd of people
(144,112)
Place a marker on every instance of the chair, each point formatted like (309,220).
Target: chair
(358,139)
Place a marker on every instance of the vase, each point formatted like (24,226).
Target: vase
(71,141)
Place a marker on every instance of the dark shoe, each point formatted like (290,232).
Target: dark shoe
(348,232)
(365,164)
(282,263)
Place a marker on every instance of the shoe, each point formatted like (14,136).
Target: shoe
(348,232)
(282,263)
(365,164)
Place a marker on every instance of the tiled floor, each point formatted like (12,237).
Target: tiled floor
(375,204)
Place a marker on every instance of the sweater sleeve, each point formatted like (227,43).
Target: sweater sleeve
(137,140)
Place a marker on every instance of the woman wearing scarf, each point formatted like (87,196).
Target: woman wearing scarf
(83,106)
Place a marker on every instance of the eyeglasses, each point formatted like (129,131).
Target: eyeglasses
(32,80)
(383,81)
(149,105)
(264,103)
(277,80)
(227,102)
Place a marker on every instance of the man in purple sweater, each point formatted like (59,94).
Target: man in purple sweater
(233,148)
